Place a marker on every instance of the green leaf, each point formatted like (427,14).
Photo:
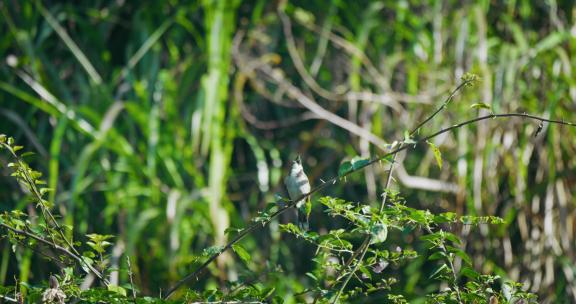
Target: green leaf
(451,237)
(441,270)
(26,154)
(470,273)
(354,164)
(446,217)
(241,252)
(379,233)
(345,168)
(437,256)
(408,139)
(470,78)
(461,254)
(232,230)
(437,154)
(312,276)
(212,250)
(481,105)
(117,289)
(45,190)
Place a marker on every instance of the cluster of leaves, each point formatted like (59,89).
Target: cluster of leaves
(51,239)
(47,236)
(334,247)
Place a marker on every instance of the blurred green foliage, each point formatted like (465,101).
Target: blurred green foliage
(164,123)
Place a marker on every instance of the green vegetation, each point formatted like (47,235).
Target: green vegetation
(437,137)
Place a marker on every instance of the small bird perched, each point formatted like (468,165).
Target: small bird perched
(297,184)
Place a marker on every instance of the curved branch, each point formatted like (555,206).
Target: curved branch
(333,180)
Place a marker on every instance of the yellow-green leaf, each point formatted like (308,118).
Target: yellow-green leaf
(437,154)
(117,289)
(481,105)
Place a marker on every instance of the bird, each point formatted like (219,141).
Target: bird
(297,184)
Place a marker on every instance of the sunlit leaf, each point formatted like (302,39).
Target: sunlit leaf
(437,154)
(117,289)
(481,105)
(242,253)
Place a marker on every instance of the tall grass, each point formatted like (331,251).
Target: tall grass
(149,129)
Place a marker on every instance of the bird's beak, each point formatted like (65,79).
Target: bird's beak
(298,160)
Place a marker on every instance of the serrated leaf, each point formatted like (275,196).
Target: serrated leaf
(241,252)
(303,16)
(437,154)
(481,105)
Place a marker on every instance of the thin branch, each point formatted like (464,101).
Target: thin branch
(49,217)
(44,241)
(3,297)
(454,275)
(238,237)
(334,180)
(363,249)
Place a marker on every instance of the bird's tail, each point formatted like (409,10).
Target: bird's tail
(303,219)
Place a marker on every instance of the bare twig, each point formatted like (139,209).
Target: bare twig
(8,299)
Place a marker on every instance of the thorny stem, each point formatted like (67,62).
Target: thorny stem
(333,180)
